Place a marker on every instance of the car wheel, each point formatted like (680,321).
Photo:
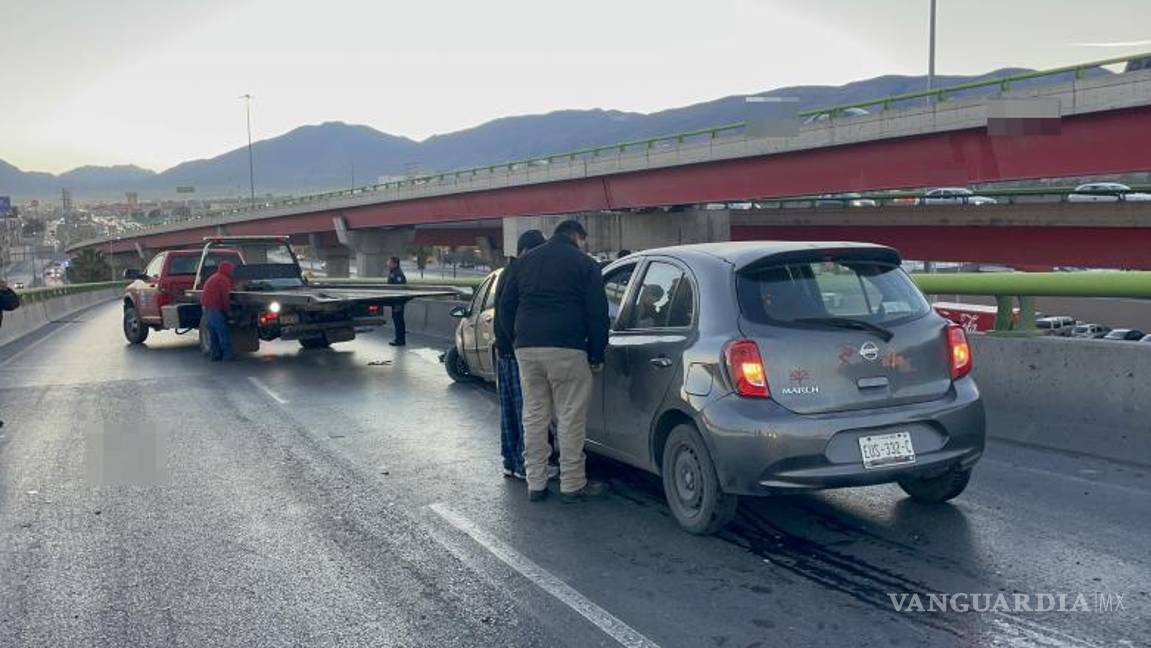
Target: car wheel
(205,338)
(456,367)
(936,489)
(134,328)
(317,342)
(691,485)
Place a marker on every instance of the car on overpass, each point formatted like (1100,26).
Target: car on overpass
(850,199)
(955,196)
(1091,331)
(1106,192)
(753,368)
(1124,335)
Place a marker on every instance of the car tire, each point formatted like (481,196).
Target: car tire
(935,490)
(691,485)
(205,339)
(135,330)
(317,342)
(456,366)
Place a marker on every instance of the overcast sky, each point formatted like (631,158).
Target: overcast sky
(156,82)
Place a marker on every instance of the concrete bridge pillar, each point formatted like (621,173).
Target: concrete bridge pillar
(372,247)
(610,232)
(336,258)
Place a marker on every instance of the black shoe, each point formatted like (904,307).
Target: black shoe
(537,495)
(592,489)
(398,343)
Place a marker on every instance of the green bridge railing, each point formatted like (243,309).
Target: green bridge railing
(33,295)
(1023,287)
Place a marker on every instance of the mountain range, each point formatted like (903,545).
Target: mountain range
(335,155)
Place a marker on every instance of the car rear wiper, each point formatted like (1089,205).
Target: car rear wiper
(847,322)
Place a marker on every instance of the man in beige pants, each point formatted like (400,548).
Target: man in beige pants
(559,313)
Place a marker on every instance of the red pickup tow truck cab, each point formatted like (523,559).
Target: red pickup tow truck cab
(163,282)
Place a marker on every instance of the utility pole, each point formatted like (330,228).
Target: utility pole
(251,166)
(931,51)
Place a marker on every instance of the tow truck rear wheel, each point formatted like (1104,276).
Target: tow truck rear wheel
(134,328)
(318,342)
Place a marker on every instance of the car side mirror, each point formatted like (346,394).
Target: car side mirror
(132,273)
(459,312)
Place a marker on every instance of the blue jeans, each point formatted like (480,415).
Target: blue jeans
(219,339)
(511,413)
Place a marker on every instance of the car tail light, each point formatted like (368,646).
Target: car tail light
(959,351)
(745,366)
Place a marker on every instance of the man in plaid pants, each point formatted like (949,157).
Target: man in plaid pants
(508,372)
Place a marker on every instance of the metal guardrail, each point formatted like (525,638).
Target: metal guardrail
(33,295)
(893,196)
(1007,287)
(1000,84)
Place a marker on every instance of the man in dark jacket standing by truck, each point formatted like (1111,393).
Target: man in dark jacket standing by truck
(560,325)
(396,276)
(216,299)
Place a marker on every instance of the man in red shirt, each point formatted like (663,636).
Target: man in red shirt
(216,299)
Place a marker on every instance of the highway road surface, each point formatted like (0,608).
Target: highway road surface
(353,497)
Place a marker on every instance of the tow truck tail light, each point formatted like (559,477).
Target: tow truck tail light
(373,309)
(268,318)
(746,369)
(959,352)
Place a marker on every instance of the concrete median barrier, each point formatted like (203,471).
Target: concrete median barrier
(1084,396)
(31,316)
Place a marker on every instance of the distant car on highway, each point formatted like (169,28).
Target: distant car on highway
(19,285)
(829,346)
(1059,325)
(1126,335)
(846,112)
(1145,338)
(851,199)
(1092,331)
(1106,192)
(955,196)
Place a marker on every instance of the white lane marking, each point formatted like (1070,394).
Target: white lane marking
(267,390)
(601,618)
(47,336)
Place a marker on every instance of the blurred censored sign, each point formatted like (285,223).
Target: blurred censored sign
(1018,117)
(772,116)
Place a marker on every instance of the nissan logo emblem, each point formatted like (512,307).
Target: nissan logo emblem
(869,351)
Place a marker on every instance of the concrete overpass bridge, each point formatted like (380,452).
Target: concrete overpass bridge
(643,193)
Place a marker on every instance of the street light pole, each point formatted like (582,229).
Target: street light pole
(931,51)
(251,166)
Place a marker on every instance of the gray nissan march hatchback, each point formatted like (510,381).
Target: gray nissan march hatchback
(750,368)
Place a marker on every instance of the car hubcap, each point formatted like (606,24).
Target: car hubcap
(688,478)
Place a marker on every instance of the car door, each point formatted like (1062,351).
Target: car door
(469,324)
(655,328)
(148,290)
(486,329)
(616,282)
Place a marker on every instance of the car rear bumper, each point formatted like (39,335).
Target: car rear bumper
(760,447)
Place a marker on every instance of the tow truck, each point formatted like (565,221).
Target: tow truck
(271,296)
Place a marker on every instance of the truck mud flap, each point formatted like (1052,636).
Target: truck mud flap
(340,335)
(244,339)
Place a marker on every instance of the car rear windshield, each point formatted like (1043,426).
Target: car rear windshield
(872,291)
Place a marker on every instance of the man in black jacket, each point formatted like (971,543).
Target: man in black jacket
(396,276)
(558,312)
(507,371)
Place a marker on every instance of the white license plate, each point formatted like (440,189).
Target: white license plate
(290,318)
(884,450)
